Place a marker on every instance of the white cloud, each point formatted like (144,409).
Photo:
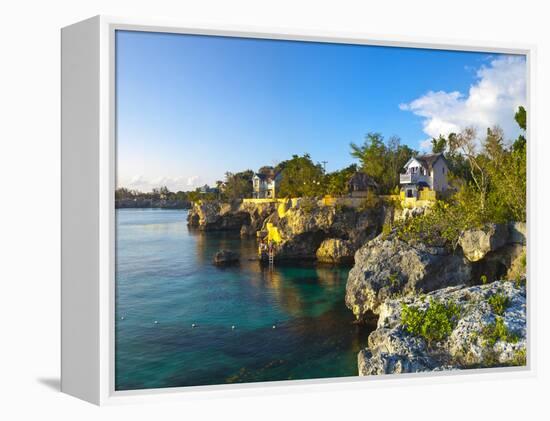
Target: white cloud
(136,181)
(492,100)
(193,181)
(177,183)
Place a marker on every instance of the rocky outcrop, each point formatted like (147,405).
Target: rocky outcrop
(483,334)
(258,212)
(517,233)
(218,216)
(387,266)
(234,216)
(335,250)
(303,231)
(225,258)
(476,243)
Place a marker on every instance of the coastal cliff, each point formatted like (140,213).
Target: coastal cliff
(387,266)
(440,308)
(229,216)
(304,229)
(452,328)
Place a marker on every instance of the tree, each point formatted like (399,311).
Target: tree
(465,143)
(380,161)
(372,155)
(301,177)
(337,182)
(521,119)
(439,145)
(508,173)
(238,185)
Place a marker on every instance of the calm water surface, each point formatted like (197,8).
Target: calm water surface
(165,282)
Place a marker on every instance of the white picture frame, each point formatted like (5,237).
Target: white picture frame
(88,219)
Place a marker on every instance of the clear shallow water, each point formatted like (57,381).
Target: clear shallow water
(164,273)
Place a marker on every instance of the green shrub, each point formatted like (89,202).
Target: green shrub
(441,224)
(386,229)
(434,323)
(497,331)
(499,303)
(369,202)
(308,204)
(519,358)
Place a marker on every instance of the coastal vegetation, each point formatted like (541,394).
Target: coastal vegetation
(492,188)
(434,323)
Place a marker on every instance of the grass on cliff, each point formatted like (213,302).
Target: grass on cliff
(442,223)
(497,331)
(499,303)
(434,323)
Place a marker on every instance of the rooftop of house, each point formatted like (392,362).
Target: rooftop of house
(427,160)
(267,175)
(361,181)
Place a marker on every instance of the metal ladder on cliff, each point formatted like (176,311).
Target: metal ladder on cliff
(271,257)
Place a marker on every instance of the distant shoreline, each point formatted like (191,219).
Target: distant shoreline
(151,204)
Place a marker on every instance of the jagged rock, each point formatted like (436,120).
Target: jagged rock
(335,250)
(476,243)
(258,212)
(221,216)
(302,230)
(225,258)
(408,213)
(517,233)
(247,231)
(391,349)
(385,267)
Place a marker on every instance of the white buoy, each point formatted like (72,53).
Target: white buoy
(193,325)
(233,327)
(273,327)
(122,318)
(156,322)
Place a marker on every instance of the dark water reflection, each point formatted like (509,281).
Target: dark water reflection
(165,275)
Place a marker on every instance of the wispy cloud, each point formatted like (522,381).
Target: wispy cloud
(142,183)
(499,89)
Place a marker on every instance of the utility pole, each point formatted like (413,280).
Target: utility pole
(324,166)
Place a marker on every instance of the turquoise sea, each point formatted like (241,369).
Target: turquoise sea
(290,322)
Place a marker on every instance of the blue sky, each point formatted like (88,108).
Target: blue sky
(190,108)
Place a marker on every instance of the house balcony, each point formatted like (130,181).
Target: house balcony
(414,178)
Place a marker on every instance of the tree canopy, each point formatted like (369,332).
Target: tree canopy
(382,160)
(301,177)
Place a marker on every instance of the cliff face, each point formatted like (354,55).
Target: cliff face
(219,216)
(326,233)
(386,267)
(482,334)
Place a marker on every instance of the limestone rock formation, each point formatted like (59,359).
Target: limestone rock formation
(223,216)
(225,258)
(387,266)
(475,339)
(476,243)
(335,250)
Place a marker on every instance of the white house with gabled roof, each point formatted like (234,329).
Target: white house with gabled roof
(421,172)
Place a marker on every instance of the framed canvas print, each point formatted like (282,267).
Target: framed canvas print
(245,208)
